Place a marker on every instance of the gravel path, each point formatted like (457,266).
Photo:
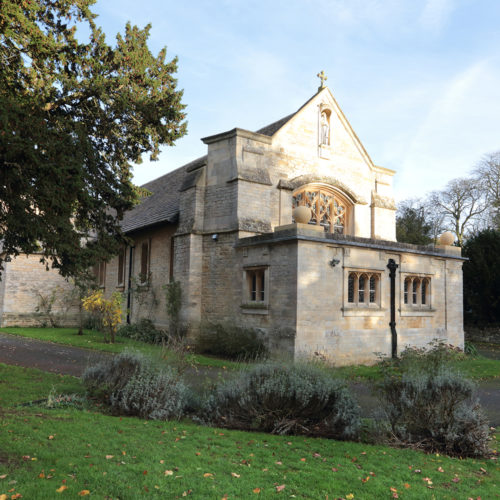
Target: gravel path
(22,351)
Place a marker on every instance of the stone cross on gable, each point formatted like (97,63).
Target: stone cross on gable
(322,77)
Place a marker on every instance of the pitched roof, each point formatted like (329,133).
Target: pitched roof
(272,128)
(163,203)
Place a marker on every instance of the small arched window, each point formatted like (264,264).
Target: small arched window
(329,208)
(363,289)
(416,291)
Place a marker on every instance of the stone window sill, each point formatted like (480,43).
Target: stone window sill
(360,310)
(417,311)
(254,308)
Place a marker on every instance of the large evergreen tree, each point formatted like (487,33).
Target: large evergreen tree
(74,115)
(482,278)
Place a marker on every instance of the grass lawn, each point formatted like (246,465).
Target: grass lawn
(52,453)
(92,339)
(477,368)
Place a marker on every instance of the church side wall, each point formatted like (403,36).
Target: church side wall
(147,300)
(26,283)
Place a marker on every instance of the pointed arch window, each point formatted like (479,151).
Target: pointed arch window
(363,288)
(416,291)
(329,208)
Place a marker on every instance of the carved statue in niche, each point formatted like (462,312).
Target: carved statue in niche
(325,129)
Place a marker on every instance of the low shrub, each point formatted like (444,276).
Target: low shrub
(230,341)
(284,399)
(144,331)
(432,408)
(132,384)
(470,349)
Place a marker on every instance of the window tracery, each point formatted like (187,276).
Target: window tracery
(416,291)
(328,208)
(363,288)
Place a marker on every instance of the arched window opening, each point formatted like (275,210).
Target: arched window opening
(362,285)
(425,291)
(414,294)
(328,208)
(363,289)
(416,291)
(373,288)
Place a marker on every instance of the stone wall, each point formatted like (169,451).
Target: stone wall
(306,289)
(25,284)
(148,299)
(483,334)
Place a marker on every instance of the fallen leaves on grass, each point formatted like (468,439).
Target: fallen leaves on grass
(281,487)
(83,493)
(61,488)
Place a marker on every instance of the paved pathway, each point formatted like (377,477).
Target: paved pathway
(22,351)
(47,356)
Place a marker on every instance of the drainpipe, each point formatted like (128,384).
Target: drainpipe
(129,285)
(392,276)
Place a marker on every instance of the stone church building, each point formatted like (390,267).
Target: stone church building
(291,230)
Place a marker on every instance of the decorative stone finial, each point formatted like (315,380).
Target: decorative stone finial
(302,214)
(323,78)
(447,238)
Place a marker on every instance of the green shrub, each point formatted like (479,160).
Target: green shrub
(284,399)
(470,349)
(150,393)
(431,407)
(132,384)
(230,341)
(428,359)
(144,331)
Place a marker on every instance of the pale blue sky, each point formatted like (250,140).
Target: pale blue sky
(419,80)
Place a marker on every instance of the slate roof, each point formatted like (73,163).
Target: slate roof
(162,206)
(272,128)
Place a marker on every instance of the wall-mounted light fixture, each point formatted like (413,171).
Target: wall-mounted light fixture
(334,262)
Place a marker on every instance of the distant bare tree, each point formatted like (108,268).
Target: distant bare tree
(460,204)
(435,217)
(487,172)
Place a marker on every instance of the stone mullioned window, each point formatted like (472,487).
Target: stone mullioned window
(363,288)
(256,289)
(417,291)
